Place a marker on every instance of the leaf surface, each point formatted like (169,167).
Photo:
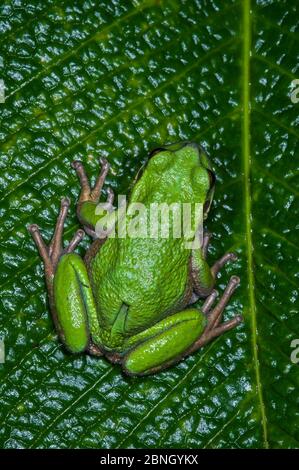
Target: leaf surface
(84,79)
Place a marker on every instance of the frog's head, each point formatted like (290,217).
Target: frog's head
(184,166)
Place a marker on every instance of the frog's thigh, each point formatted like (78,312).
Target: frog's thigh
(74,303)
(164,343)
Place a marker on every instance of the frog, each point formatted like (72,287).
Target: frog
(134,300)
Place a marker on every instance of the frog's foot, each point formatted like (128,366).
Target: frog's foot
(51,254)
(92,194)
(214,315)
(88,193)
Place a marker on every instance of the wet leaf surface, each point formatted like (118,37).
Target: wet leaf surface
(116,79)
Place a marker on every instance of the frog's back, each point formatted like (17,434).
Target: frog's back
(139,280)
(148,276)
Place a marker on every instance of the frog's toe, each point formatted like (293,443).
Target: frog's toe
(41,246)
(97,189)
(51,254)
(110,197)
(227,258)
(205,243)
(215,315)
(75,241)
(85,186)
(209,301)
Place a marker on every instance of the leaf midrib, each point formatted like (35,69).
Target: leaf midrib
(246,25)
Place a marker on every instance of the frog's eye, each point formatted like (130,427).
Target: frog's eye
(155,151)
(212,178)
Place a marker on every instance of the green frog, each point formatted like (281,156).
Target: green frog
(131,299)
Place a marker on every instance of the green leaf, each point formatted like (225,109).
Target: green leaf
(92,78)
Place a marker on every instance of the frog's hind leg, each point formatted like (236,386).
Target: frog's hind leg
(75,305)
(89,197)
(70,293)
(179,335)
(164,343)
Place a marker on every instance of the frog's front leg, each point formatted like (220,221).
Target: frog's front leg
(179,335)
(203,276)
(70,294)
(89,197)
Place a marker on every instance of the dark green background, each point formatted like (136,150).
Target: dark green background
(90,78)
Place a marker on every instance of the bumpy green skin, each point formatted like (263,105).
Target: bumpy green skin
(140,282)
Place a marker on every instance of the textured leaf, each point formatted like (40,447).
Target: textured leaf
(90,78)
